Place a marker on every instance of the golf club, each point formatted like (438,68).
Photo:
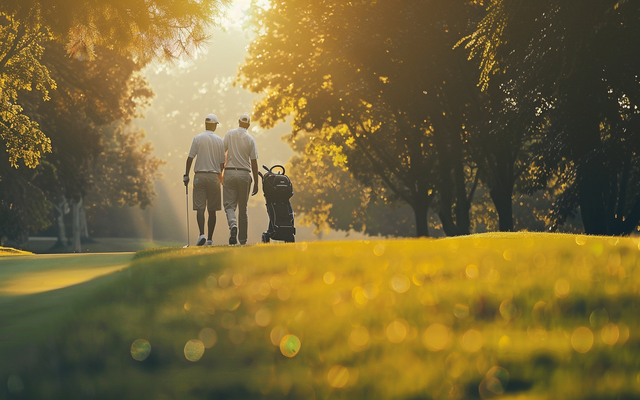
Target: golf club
(187,191)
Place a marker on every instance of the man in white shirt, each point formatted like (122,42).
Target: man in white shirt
(208,150)
(242,163)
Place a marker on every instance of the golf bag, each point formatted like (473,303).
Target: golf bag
(277,189)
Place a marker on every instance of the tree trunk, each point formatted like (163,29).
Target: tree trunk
(62,209)
(504,206)
(422,220)
(75,223)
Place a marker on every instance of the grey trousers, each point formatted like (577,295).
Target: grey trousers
(235,193)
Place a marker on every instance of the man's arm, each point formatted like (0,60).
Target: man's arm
(185,178)
(221,172)
(254,170)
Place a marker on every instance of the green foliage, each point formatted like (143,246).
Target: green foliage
(379,88)
(21,48)
(518,315)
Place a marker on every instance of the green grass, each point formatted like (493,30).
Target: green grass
(526,316)
(98,245)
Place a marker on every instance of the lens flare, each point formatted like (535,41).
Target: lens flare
(263,316)
(290,345)
(437,337)
(400,283)
(455,365)
(562,288)
(194,350)
(276,335)
(582,339)
(338,376)
(359,338)
(396,331)
(610,334)
(329,277)
(140,350)
(461,311)
(208,337)
(472,271)
(472,340)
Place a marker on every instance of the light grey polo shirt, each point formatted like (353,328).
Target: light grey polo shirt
(241,147)
(209,149)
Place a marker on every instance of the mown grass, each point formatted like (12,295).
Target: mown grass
(526,316)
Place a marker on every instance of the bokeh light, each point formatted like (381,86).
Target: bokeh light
(371,291)
(194,350)
(400,283)
(140,349)
(461,311)
(610,334)
(562,288)
(508,310)
(436,337)
(494,384)
(263,316)
(472,340)
(208,337)
(276,335)
(472,271)
(582,339)
(338,376)
(378,249)
(359,338)
(456,364)
(329,277)
(237,335)
(290,345)
(396,331)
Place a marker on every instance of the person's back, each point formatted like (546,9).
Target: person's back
(207,149)
(241,147)
(242,163)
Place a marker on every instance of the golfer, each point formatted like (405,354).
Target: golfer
(242,163)
(208,150)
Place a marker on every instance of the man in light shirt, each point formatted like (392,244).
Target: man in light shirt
(242,163)
(208,150)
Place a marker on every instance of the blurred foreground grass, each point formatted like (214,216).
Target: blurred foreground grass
(512,316)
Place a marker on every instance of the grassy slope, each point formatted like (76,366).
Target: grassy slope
(382,319)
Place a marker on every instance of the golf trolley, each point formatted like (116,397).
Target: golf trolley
(277,189)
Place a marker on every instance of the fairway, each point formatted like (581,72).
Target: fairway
(513,316)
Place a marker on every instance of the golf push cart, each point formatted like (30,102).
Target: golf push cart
(277,189)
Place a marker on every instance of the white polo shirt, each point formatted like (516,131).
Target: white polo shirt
(241,147)
(210,151)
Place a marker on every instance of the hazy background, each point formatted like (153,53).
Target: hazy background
(185,93)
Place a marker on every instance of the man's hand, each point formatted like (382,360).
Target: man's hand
(255,189)
(185,179)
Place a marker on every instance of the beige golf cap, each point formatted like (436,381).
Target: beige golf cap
(211,119)
(245,118)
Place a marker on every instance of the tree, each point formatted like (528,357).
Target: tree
(567,67)
(142,30)
(380,82)
(329,197)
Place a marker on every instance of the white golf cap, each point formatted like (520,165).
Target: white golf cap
(211,119)
(245,118)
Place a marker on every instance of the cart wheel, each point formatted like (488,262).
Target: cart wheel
(265,237)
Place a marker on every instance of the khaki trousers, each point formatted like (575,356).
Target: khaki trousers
(235,193)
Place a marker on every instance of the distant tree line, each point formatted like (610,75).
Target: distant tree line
(70,84)
(428,103)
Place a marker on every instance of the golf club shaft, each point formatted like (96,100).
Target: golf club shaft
(187,191)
